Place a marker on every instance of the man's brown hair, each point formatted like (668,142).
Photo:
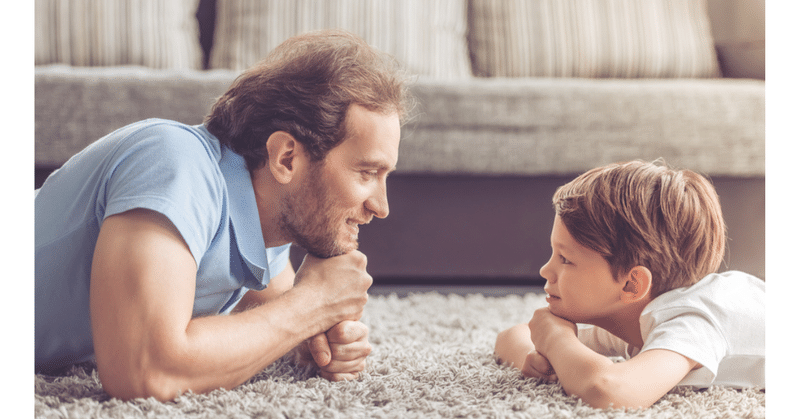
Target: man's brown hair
(646,214)
(305,87)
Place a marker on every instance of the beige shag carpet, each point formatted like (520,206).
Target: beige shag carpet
(432,358)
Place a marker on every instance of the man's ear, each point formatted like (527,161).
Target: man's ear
(283,152)
(638,282)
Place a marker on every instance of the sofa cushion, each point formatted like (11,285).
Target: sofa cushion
(428,37)
(502,126)
(535,126)
(152,33)
(591,38)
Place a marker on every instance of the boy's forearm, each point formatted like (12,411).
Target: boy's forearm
(513,345)
(580,370)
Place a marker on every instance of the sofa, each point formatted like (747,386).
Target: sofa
(514,98)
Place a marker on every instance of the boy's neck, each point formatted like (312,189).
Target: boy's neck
(625,323)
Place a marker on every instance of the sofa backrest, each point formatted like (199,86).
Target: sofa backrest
(440,39)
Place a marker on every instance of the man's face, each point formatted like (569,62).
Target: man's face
(347,188)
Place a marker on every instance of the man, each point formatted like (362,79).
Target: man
(150,243)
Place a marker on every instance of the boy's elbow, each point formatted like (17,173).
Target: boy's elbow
(604,390)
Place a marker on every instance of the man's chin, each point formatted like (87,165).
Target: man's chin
(332,251)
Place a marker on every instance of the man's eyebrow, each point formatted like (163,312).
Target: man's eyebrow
(375,164)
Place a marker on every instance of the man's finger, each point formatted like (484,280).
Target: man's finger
(347,331)
(320,349)
(346,376)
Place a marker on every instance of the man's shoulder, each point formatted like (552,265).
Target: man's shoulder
(168,135)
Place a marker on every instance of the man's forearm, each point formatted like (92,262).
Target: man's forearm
(224,351)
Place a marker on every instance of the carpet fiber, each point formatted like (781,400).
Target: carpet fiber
(432,357)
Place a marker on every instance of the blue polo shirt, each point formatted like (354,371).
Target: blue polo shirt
(178,170)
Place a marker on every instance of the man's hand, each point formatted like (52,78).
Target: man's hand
(338,284)
(341,352)
(545,327)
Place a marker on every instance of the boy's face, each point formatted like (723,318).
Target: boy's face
(580,285)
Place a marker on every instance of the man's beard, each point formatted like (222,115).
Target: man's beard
(310,220)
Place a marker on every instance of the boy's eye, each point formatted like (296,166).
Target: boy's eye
(564,260)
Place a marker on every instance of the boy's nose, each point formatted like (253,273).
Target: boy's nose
(545,273)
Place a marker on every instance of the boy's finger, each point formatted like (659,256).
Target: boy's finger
(540,363)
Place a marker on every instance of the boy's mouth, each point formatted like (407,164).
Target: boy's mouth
(552,298)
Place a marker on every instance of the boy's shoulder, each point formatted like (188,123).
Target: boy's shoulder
(725,292)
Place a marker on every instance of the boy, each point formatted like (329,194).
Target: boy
(635,248)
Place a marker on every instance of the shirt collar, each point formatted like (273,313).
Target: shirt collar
(244,217)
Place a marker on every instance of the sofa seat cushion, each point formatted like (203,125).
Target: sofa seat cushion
(525,126)
(563,126)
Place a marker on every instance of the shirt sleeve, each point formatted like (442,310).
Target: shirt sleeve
(687,331)
(278,258)
(168,169)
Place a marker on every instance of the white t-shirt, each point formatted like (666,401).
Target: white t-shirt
(717,322)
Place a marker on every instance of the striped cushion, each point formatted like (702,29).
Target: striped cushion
(151,33)
(428,37)
(591,38)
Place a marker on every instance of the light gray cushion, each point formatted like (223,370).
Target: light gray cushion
(591,38)
(566,126)
(427,37)
(476,126)
(152,33)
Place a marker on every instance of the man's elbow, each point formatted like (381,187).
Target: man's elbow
(140,382)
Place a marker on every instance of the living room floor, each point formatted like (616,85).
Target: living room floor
(486,290)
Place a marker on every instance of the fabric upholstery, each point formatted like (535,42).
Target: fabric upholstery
(151,33)
(499,126)
(591,38)
(428,37)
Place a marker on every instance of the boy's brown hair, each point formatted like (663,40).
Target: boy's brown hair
(305,87)
(646,214)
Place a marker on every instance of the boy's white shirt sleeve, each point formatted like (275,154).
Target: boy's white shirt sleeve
(718,323)
(689,332)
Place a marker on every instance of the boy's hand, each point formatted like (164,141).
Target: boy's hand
(546,326)
(537,366)
(341,352)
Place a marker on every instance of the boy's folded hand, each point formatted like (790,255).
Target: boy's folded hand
(546,327)
(537,366)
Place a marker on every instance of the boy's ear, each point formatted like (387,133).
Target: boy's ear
(638,282)
(283,156)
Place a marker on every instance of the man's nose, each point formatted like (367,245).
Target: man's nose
(378,203)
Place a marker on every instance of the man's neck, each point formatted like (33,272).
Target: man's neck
(267,194)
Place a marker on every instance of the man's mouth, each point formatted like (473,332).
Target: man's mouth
(353,224)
